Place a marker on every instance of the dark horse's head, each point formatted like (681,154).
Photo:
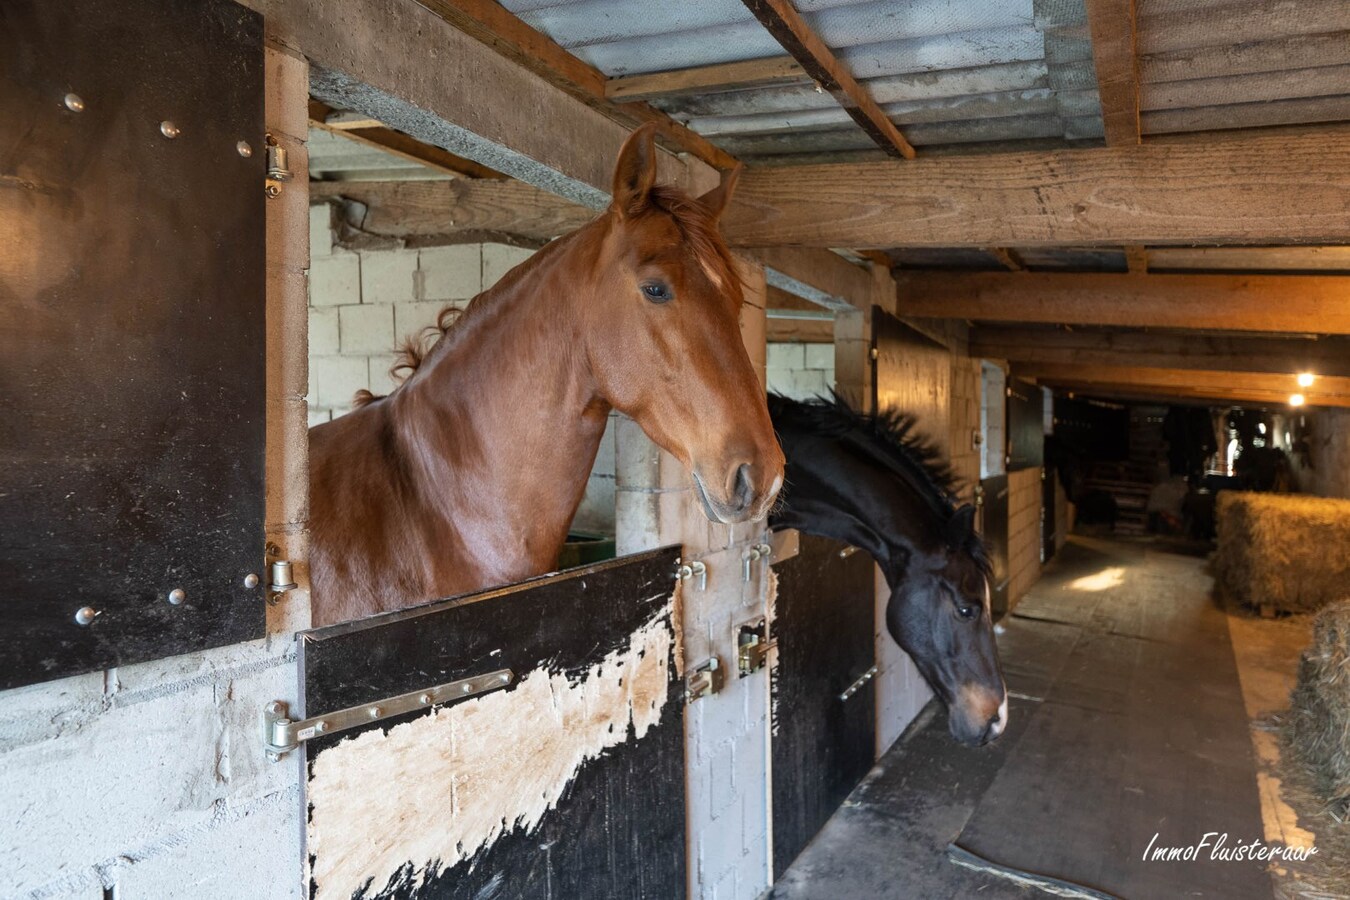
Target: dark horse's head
(871,481)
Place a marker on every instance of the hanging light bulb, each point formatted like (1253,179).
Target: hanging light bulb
(1295,399)
(1305,379)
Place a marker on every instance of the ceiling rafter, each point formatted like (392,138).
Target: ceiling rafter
(788,27)
(1114,50)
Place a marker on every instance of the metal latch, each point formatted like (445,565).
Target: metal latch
(281,734)
(705,680)
(752,647)
(858,685)
(694,569)
(753,555)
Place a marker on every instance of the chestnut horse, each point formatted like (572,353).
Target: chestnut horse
(469,473)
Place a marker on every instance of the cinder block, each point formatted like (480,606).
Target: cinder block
(413,318)
(320,231)
(820,356)
(319,416)
(337,378)
(786,356)
(388,276)
(498,259)
(323,330)
(605,456)
(450,273)
(597,509)
(382,384)
(335,280)
(367,329)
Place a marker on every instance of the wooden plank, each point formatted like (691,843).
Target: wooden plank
(787,26)
(1191,379)
(1136,257)
(820,276)
(460,211)
(1223,353)
(373,133)
(1209,396)
(1252,259)
(374,57)
(1270,303)
(1267,188)
(799,331)
(1008,259)
(1246,58)
(492,24)
(707,79)
(1112,23)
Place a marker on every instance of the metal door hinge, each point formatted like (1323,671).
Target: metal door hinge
(752,647)
(753,555)
(859,684)
(281,734)
(705,679)
(694,569)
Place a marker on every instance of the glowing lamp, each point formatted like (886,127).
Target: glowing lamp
(1305,379)
(1295,399)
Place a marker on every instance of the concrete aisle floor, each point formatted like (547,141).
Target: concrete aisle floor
(890,838)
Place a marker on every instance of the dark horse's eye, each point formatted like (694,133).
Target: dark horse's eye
(966,610)
(656,292)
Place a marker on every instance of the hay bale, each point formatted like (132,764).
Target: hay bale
(1320,720)
(1282,552)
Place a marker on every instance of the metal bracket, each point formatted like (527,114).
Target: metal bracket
(281,735)
(694,569)
(704,680)
(858,685)
(752,647)
(784,544)
(754,554)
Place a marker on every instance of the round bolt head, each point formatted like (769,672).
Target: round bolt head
(425,698)
(276,708)
(466,689)
(272,190)
(503,678)
(85,615)
(169,130)
(375,712)
(245,150)
(250,581)
(74,102)
(320,727)
(177,596)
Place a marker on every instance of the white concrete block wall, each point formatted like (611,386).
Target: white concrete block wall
(363,305)
(148,782)
(800,371)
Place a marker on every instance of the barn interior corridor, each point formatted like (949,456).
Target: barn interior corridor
(1138,708)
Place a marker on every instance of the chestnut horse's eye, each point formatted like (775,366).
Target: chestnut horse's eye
(656,292)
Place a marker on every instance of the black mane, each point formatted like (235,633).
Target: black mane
(893,439)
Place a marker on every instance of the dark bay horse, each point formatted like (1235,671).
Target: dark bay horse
(469,473)
(872,481)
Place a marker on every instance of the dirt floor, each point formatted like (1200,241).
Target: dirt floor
(1205,677)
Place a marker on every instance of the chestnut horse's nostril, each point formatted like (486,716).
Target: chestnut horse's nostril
(744,493)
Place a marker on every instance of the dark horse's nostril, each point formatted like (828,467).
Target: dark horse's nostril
(745,491)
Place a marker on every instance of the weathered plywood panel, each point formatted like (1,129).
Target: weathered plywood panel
(570,782)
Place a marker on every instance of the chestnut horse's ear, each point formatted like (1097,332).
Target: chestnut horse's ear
(719,198)
(635,171)
(961,525)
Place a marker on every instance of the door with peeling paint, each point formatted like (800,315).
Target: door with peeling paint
(824,705)
(566,782)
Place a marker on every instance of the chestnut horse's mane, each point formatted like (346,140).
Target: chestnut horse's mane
(696,223)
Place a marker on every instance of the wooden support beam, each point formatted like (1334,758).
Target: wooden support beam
(494,25)
(1220,353)
(1136,257)
(460,211)
(799,331)
(1008,259)
(1114,42)
(1146,393)
(731,76)
(788,27)
(1252,259)
(1299,304)
(1187,379)
(373,133)
(1258,187)
(823,277)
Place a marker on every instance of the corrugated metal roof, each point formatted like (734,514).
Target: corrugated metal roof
(959,72)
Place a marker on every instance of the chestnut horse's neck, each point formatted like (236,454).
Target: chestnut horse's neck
(502,421)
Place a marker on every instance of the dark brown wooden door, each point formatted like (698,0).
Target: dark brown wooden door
(132,325)
(823,741)
(566,782)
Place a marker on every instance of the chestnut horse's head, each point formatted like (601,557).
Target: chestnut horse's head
(663,337)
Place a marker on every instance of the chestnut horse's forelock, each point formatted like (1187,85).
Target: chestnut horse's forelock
(697,226)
